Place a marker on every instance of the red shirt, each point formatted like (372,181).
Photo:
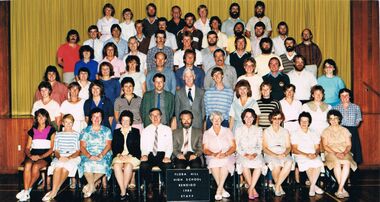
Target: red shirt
(70,56)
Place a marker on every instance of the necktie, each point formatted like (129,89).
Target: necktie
(158,100)
(186,141)
(155,145)
(189,96)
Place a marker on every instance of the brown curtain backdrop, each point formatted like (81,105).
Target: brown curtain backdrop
(38,27)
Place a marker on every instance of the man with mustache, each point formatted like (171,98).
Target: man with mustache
(278,41)
(259,17)
(68,55)
(228,25)
(256,38)
(150,23)
(238,31)
(187,143)
(229,72)
(287,58)
(189,27)
(310,51)
(262,60)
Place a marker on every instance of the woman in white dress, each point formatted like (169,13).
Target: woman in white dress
(74,106)
(67,159)
(306,147)
(318,109)
(291,108)
(104,24)
(219,146)
(276,147)
(249,148)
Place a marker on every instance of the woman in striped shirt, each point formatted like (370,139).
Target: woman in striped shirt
(66,161)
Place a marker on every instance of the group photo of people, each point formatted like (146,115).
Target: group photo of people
(191,92)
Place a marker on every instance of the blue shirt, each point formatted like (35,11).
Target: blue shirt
(92,66)
(199,77)
(218,100)
(332,87)
(122,47)
(170,83)
(352,116)
(112,89)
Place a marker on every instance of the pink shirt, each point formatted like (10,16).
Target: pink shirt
(117,64)
(58,94)
(70,56)
(217,143)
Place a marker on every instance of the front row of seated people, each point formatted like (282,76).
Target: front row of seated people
(250,150)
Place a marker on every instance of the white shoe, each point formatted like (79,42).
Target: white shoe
(25,197)
(218,197)
(20,194)
(318,190)
(225,194)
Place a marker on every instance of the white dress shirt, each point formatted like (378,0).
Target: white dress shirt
(165,140)
(303,81)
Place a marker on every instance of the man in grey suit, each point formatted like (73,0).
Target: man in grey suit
(187,143)
(190,98)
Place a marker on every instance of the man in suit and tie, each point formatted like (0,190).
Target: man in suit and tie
(158,98)
(190,97)
(187,143)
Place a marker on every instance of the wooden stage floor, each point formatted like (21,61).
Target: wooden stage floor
(365,186)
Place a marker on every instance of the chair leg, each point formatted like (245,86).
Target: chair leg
(46,180)
(138,184)
(19,180)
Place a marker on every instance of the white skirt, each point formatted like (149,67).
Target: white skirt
(258,162)
(70,165)
(305,163)
(274,162)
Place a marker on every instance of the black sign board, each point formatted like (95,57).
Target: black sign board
(188,185)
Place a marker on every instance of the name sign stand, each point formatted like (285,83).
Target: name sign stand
(188,184)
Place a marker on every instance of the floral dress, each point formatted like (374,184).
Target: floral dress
(95,143)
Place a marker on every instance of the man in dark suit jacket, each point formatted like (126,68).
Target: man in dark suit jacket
(190,98)
(158,98)
(187,143)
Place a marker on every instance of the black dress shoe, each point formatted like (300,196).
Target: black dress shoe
(149,193)
(124,197)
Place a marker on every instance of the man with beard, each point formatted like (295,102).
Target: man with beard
(176,23)
(229,72)
(259,17)
(215,25)
(311,52)
(287,58)
(277,79)
(189,27)
(170,37)
(238,31)
(302,79)
(237,57)
(207,53)
(187,143)
(278,42)
(229,24)
(190,97)
(262,60)
(68,55)
(150,23)
(256,38)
